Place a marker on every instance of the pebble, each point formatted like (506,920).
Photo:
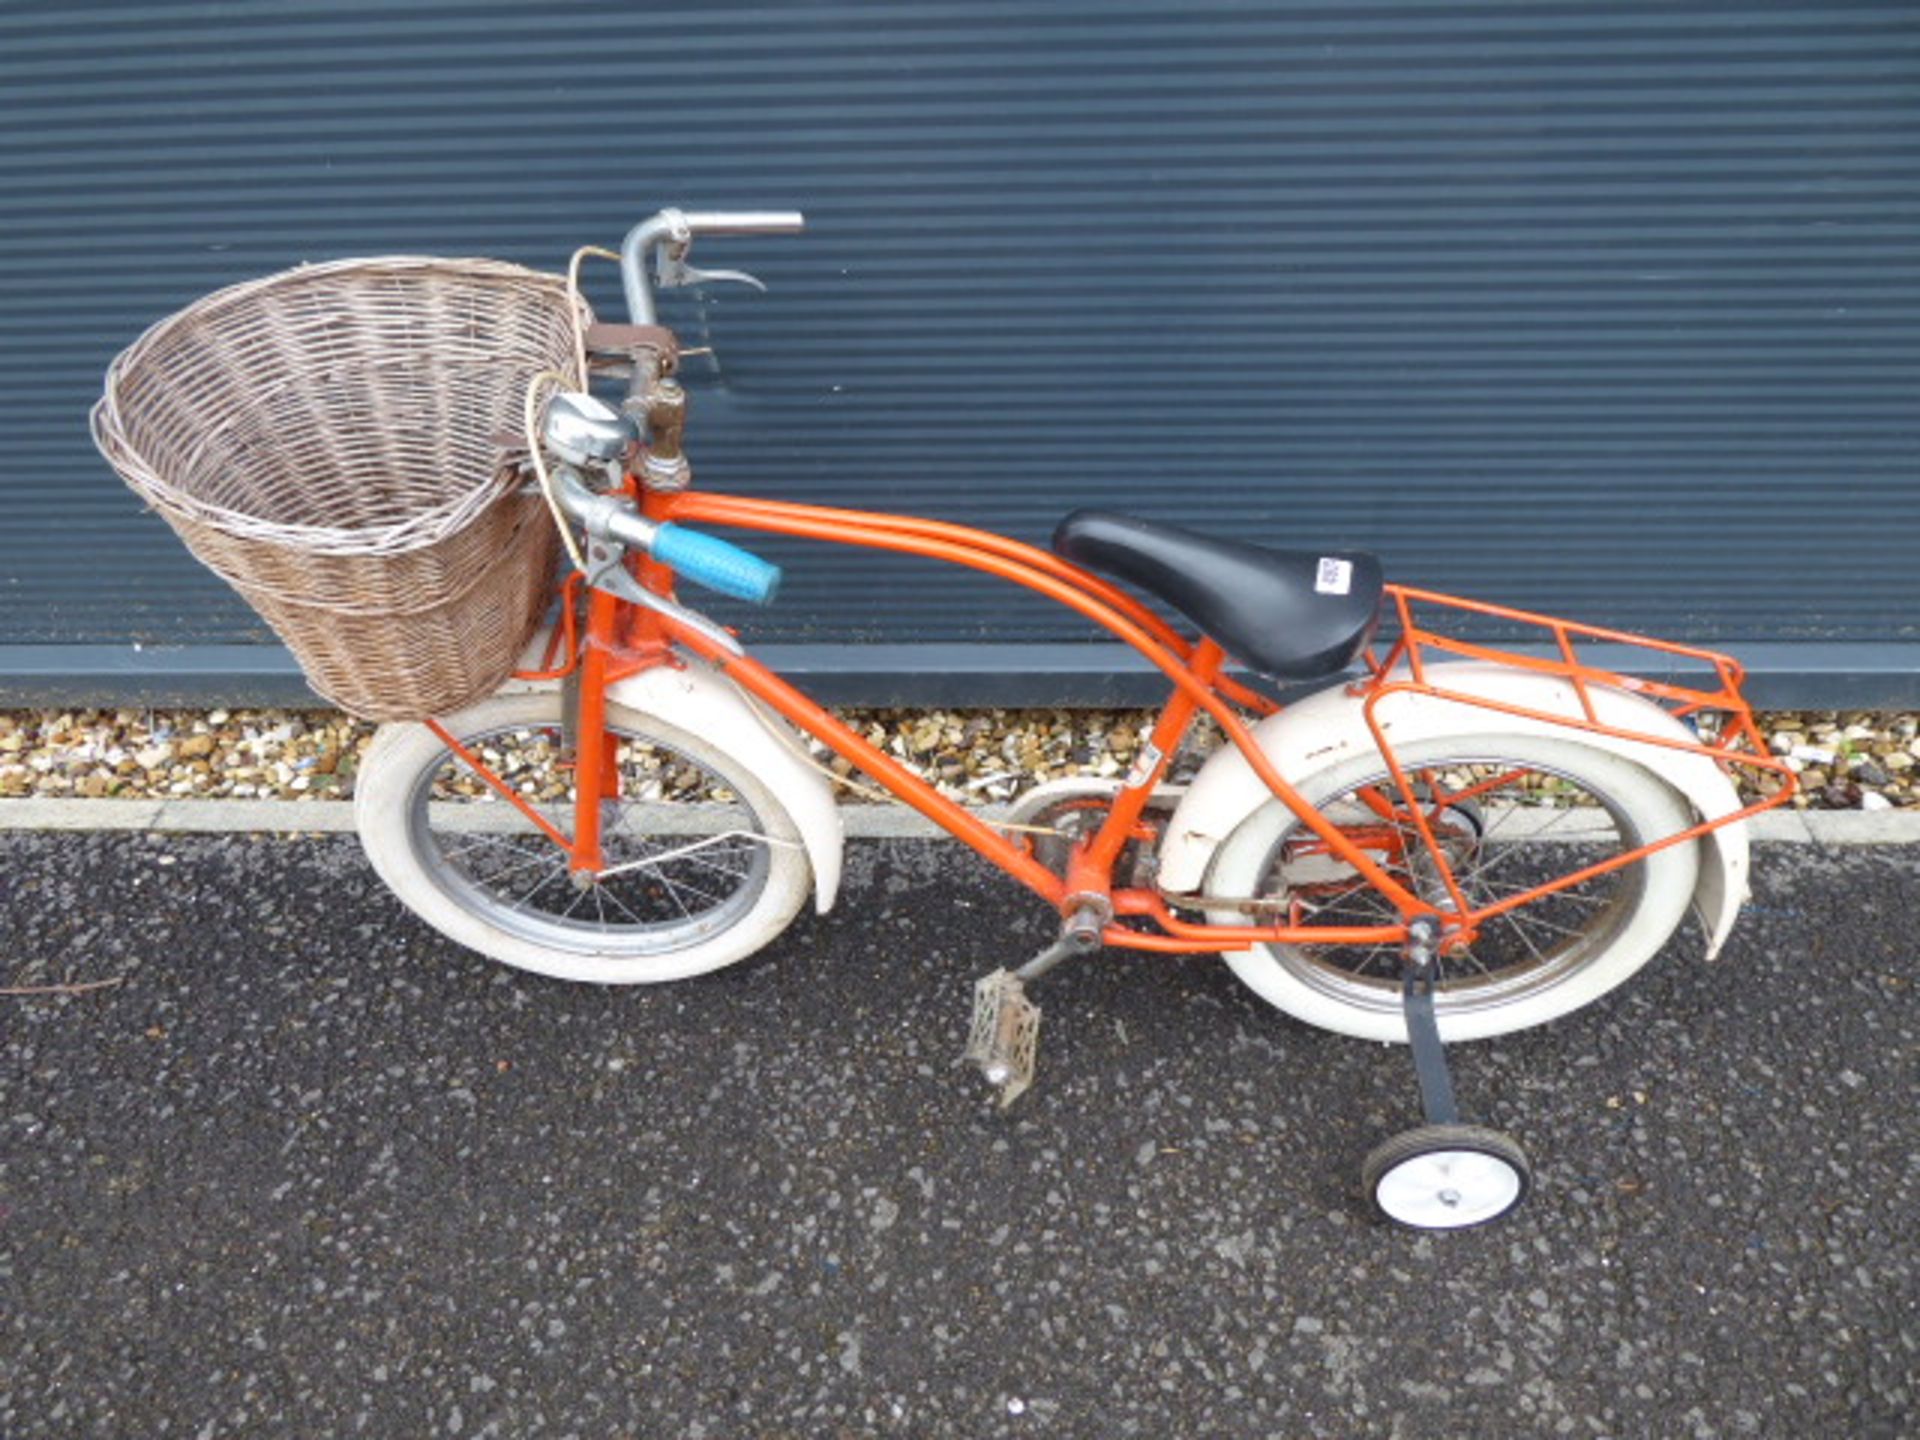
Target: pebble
(1865,772)
(976,756)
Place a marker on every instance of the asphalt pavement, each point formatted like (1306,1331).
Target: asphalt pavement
(309,1170)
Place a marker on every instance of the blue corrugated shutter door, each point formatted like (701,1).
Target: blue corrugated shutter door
(1607,308)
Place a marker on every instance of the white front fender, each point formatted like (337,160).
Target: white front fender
(698,699)
(1329,729)
(695,697)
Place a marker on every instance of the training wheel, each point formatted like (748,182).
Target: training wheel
(1447,1177)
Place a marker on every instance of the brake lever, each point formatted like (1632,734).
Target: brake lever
(671,271)
(607,571)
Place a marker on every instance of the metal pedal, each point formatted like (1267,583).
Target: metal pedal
(1004,1038)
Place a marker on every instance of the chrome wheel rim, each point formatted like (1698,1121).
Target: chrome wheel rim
(1544,824)
(685,851)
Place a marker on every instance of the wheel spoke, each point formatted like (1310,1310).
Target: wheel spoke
(498,842)
(1545,924)
(523,885)
(520,905)
(699,857)
(643,864)
(528,861)
(1525,939)
(733,849)
(1491,892)
(673,892)
(481,843)
(621,905)
(1501,827)
(686,884)
(1512,809)
(1324,907)
(1465,953)
(1373,953)
(1505,855)
(579,898)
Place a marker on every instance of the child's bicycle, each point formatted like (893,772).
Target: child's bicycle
(1457,841)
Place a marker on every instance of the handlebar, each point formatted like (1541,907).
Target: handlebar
(746,222)
(717,564)
(702,558)
(681,228)
(706,559)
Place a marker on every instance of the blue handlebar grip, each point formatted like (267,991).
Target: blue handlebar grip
(710,561)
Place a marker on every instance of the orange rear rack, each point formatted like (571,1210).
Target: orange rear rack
(1719,717)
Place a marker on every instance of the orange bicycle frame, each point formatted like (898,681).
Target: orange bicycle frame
(618,639)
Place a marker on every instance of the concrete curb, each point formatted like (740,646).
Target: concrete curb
(863,822)
(177,816)
(323,817)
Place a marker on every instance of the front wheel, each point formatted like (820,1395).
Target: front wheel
(703,863)
(1508,814)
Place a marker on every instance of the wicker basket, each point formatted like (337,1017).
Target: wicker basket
(327,441)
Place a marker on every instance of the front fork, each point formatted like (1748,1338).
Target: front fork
(596,771)
(620,639)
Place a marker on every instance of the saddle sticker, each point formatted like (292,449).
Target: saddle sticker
(1335,577)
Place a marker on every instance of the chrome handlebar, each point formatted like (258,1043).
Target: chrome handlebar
(671,232)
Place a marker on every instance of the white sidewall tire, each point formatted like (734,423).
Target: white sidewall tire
(382,800)
(1656,811)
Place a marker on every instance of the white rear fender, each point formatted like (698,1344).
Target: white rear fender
(1330,729)
(696,698)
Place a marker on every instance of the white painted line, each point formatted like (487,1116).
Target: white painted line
(1780,827)
(219,816)
(862,822)
(51,814)
(1862,827)
(896,822)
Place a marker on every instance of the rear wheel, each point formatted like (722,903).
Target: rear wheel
(1508,813)
(703,864)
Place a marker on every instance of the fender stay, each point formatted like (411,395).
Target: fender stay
(693,696)
(1330,728)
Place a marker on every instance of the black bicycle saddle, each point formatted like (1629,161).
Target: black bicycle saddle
(1294,614)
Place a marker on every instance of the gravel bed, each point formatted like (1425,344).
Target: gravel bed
(1847,760)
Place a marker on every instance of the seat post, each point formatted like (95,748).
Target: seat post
(1094,865)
